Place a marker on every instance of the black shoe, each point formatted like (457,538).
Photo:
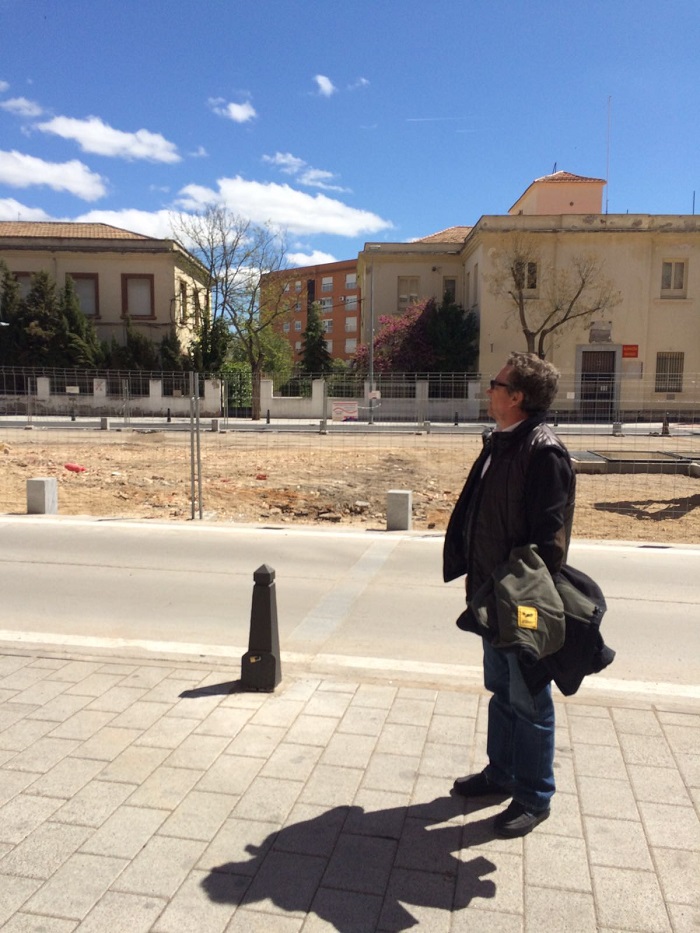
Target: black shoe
(478,785)
(516,820)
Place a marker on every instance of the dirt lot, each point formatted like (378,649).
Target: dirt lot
(274,478)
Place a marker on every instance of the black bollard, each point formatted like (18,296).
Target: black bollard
(665,432)
(261,667)
(169,418)
(456,418)
(268,416)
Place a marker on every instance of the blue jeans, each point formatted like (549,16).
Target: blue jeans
(520,742)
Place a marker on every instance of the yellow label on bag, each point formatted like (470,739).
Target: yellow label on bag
(527,617)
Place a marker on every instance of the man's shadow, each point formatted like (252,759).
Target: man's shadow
(354,868)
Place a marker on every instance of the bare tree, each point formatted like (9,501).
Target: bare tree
(548,299)
(238,253)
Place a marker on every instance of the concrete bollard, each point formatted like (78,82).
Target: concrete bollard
(399,510)
(617,429)
(216,425)
(261,666)
(42,496)
(426,427)
(104,424)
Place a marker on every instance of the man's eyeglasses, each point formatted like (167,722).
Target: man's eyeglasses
(494,382)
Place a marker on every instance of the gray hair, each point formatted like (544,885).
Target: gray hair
(537,379)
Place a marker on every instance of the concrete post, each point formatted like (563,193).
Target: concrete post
(261,667)
(104,424)
(399,509)
(42,496)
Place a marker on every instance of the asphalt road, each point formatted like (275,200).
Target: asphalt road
(368,600)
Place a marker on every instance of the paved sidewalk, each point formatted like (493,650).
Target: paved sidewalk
(144,795)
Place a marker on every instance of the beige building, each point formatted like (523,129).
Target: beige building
(118,274)
(641,352)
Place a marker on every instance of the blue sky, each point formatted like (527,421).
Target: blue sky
(367,120)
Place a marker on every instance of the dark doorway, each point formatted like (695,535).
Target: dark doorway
(598,385)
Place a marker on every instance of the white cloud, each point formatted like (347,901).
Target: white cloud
(284,207)
(239,113)
(22,171)
(96,136)
(361,82)
(4,86)
(14,210)
(156,224)
(325,86)
(199,153)
(22,107)
(303,172)
(310,259)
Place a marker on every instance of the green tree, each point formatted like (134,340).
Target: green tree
(78,341)
(209,350)
(315,356)
(237,253)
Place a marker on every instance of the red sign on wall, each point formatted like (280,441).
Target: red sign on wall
(630,351)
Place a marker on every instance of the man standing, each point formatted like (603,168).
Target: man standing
(520,491)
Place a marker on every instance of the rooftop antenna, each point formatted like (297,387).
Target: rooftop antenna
(693,202)
(554,170)
(607,159)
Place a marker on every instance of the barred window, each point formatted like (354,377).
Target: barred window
(669,372)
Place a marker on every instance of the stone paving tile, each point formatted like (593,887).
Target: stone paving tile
(601,797)
(13,783)
(374,695)
(678,718)
(125,833)
(446,761)
(199,816)
(39,693)
(363,720)
(331,785)
(684,740)
(268,799)
(197,750)
(347,750)
(360,863)
(285,884)
(328,704)
(555,862)
(378,813)
(646,750)
(636,721)
(146,676)
(192,910)
(452,730)
(23,814)
(402,738)
(44,850)
(629,900)
(160,867)
(116,912)
(411,711)
(566,816)
(256,741)
(685,919)
(291,761)
(20,733)
(66,778)
(549,909)
(253,921)
(60,709)
(117,699)
(391,772)
(658,785)
(75,671)
(312,830)
(492,883)
(22,679)
(76,887)
(82,725)
(469,920)
(168,690)
(107,743)
(168,732)
(670,826)
(134,764)
(92,805)
(460,705)
(165,788)
(42,755)
(226,721)
(9,664)
(347,910)
(424,846)
(312,730)
(230,774)
(94,685)
(277,712)
(679,875)
(32,923)
(13,893)
(617,843)
(689,766)
(239,847)
(600,761)
(585,730)
(419,898)
(139,715)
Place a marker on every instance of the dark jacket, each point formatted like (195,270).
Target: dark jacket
(525,497)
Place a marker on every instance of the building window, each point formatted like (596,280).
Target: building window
(350,344)
(297,306)
(673,279)
(408,291)
(328,326)
(326,305)
(329,346)
(24,280)
(286,327)
(137,296)
(475,284)
(449,289)
(297,325)
(297,286)
(87,292)
(525,275)
(182,309)
(351,279)
(350,325)
(351,302)
(297,345)
(327,283)
(669,372)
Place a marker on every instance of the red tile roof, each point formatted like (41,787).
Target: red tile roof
(569,178)
(449,235)
(21,228)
